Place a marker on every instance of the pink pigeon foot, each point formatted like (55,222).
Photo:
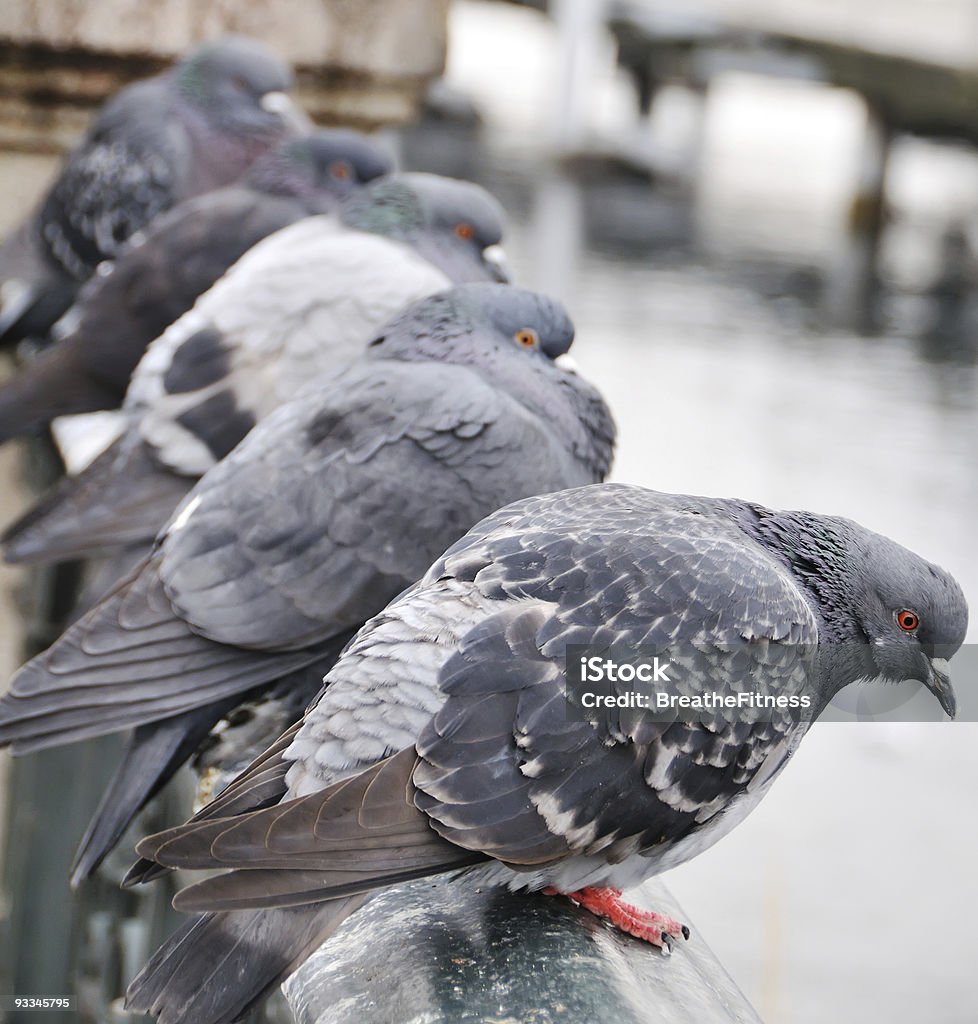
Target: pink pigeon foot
(647,925)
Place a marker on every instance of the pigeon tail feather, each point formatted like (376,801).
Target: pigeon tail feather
(122,498)
(217,966)
(152,756)
(49,386)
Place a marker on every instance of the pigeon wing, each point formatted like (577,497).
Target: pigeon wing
(306,299)
(125,172)
(301,534)
(619,782)
(342,498)
(122,497)
(195,397)
(161,272)
(129,661)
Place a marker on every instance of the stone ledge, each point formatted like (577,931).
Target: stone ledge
(444,951)
(359,62)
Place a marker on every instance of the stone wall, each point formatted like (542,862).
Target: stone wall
(361,62)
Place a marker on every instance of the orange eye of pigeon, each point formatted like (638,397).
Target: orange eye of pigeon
(907,620)
(340,169)
(464,231)
(527,337)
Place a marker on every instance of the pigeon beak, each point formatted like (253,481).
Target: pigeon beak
(281,105)
(939,684)
(494,256)
(567,364)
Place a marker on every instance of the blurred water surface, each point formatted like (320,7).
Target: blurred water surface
(709,314)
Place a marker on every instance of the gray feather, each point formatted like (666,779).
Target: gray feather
(183,133)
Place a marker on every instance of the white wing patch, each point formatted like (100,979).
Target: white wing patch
(81,439)
(304,300)
(183,516)
(384,690)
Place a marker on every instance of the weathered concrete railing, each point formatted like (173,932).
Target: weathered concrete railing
(446,952)
(365,63)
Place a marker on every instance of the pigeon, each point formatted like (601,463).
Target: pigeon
(193,128)
(159,273)
(328,509)
(304,299)
(444,739)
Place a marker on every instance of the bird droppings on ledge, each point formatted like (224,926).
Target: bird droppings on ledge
(452,948)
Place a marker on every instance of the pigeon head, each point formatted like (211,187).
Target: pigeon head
(888,614)
(456,225)
(914,614)
(240,86)
(479,323)
(321,167)
(514,340)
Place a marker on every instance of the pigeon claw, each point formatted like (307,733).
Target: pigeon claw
(658,929)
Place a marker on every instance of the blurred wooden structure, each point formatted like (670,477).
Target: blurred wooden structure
(926,88)
(911,94)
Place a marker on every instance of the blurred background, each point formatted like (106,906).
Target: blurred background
(763,218)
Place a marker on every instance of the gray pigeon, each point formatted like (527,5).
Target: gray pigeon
(191,129)
(159,273)
(305,299)
(328,509)
(444,740)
